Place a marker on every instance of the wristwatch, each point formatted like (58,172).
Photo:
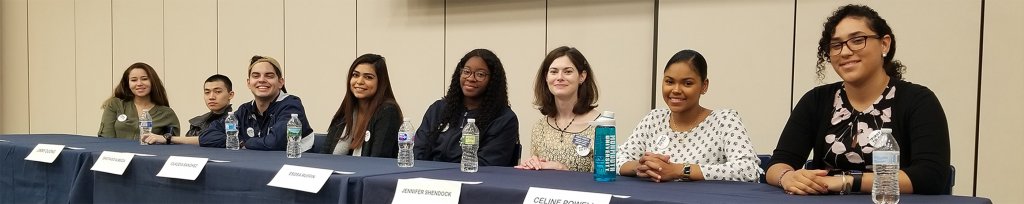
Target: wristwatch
(167,138)
(686,172)
(856,180)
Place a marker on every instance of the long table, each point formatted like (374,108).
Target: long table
(241,180)
(511,185)
(244,179)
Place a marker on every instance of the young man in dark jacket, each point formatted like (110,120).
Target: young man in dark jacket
(262,123)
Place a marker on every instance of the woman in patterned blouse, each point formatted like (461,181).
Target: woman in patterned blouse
(688,142)
(835,120)
(565,92)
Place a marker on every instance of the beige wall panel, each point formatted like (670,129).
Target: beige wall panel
(923,39)
(514,30)
(138,30)
(320,45)
(14,66)
(190,30)
(616,36)
(1001,92)
(410,34)
(93,75)
(247,28)
(51,65)
(748,72)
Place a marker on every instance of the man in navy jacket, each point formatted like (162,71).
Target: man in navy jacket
(262,123)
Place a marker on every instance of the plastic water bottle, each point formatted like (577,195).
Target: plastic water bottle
(470,144)
(294,137)
(405,143)
(145,126)
(231,131)
(604,147)
(885,161)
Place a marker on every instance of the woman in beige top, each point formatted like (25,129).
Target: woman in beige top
(566,94)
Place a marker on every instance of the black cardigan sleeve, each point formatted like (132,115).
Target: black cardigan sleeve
(926,158)
(384,128)
(797,139)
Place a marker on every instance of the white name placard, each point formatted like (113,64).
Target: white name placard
(421,190)
(178,167)
(554,196)
(113,162)
(301,178)
(45,153)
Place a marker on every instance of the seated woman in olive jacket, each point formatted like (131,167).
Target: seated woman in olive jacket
(139,89)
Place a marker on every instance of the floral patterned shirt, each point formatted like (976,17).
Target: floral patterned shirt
(848,133)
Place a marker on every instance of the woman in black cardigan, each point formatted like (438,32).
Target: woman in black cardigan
(835,120)
(367,122)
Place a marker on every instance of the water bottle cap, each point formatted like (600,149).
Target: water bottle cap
(887,130)
(231,112)
(406,120)
(608,114)
(471,120)
(295,115)
(607,118)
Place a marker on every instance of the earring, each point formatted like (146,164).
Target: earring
(883,55)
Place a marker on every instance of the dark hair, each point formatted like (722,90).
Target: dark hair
(220,78)
(694,58)
(586,94)
(273,63)
(157,93)
(349,104)
(494,98)
(893,68)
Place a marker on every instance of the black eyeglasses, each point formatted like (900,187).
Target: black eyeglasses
(854,43)
(478,75)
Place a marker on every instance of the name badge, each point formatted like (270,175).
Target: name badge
(113,162)
(251,132)
(582,144)
(301,178)
(45,153)
(366,137)
(122,118)
(187,168)
(554,196)
(423,190)
(663,142)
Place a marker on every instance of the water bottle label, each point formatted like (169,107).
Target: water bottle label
(885,157)
(293,132)
(230,127)
(469,140)
(146,124)
(403,136)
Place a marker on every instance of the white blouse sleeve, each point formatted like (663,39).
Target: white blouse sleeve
(741,161)
(637,143)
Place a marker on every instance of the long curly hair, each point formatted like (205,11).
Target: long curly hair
(876,23)
(349,104)
(493,100)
